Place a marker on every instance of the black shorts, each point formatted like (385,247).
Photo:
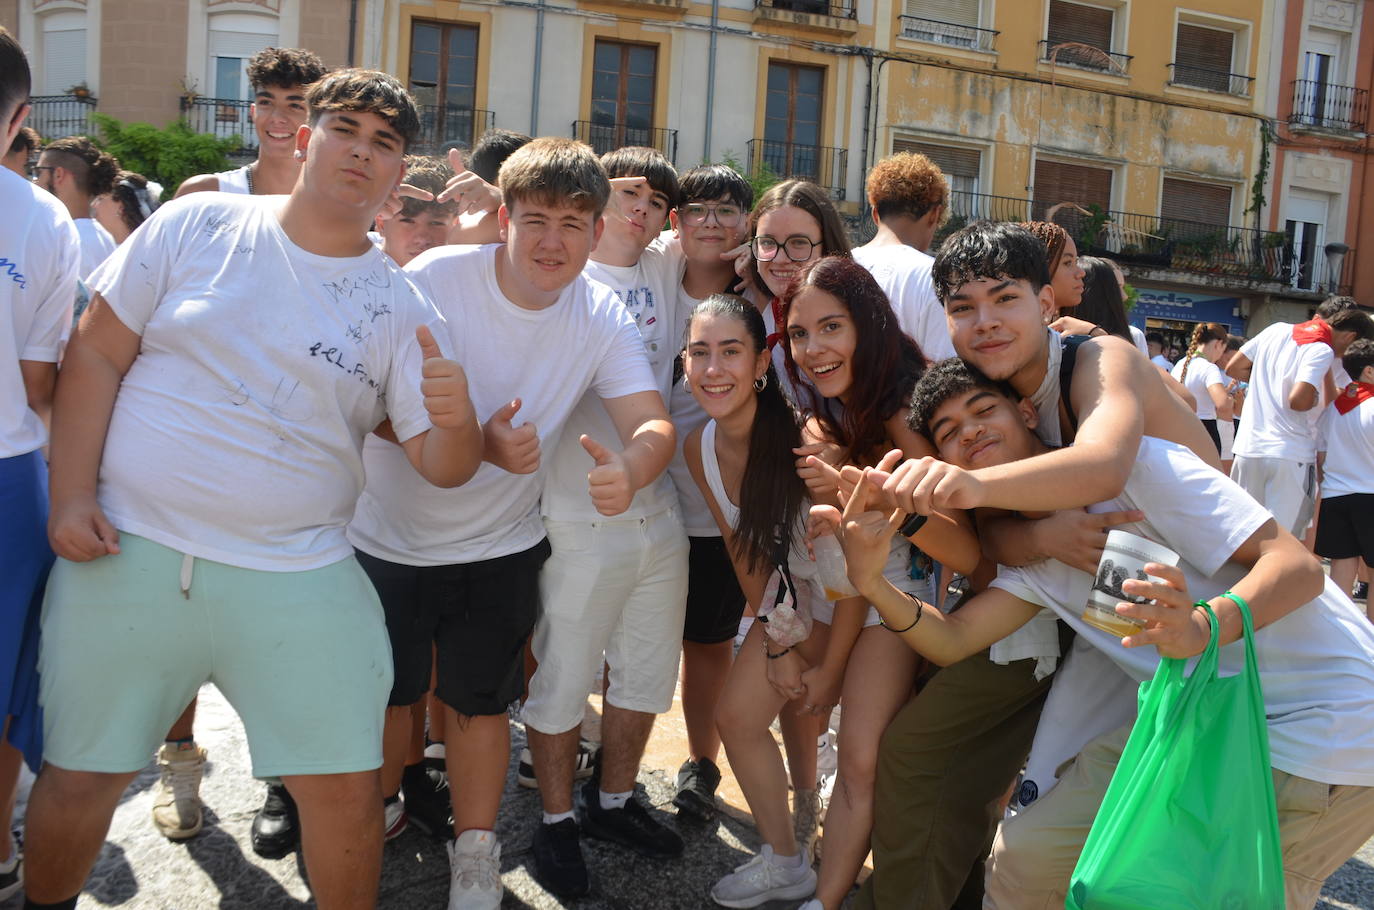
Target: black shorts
(1346,528)
(1210,425)
(714,599)
(473,617)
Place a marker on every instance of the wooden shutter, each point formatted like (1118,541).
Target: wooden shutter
(957,12)
(1057,182)
(1076,23)
(1209,48)
(1187,200)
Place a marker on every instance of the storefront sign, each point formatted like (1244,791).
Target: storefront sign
(1187,307)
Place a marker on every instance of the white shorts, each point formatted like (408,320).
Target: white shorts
(1286,488)
(615,589)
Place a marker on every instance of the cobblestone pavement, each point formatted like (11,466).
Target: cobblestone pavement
(140,869)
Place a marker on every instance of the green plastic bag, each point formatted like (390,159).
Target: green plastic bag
(1189,819)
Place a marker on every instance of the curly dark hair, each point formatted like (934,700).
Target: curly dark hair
(944,381)
(885,365)
(907,183)
(988,249)
(284,67)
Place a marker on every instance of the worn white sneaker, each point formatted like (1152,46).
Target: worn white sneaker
(176,801)
(474,861)
(764,878)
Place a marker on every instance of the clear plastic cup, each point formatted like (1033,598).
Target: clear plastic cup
(830,562)
(1124,556)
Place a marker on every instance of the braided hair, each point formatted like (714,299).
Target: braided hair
(1203,332)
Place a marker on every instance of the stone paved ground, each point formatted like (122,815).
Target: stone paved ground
(139,869)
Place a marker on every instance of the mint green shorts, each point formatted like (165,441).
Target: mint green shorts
(302,656)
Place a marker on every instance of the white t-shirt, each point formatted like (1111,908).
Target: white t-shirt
(1139,338)
(585,343)
(649,291)
(903,273)
(96,245)
(237,433)
(1348,441)
(1316,663)
(1269,428)
(1159,360)
(1202,375)
(687,415)
(39,257)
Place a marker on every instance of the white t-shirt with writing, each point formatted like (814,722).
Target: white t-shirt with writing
(237,433)
(96,245)
(1348,441)
(1202,374)
(1316,664)
(39,258)
(583,344)
(903,273)
(649,292)
(1269,428)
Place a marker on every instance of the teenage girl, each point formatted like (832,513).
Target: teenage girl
(1198,371)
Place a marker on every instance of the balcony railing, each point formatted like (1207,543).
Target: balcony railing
(1085,57)
(966,207)
(948,33)
(818,163)
(1211,80)
(1337,107)
(441,124)
(839,10)
(57,116)
(223,118)
(607,137)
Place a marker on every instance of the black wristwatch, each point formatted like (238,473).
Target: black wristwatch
(913,523)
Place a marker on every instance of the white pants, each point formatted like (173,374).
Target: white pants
(1286,488)
(615,588)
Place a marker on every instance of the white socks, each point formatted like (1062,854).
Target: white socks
(615,800)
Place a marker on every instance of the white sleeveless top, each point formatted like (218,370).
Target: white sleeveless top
(235,181)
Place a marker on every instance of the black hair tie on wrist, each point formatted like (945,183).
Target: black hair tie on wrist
(913,523)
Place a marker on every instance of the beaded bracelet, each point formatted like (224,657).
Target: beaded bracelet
(920,611)
(771,656)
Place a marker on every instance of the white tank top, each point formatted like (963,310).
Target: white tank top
(235,181)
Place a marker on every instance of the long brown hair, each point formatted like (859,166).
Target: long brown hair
(810,198)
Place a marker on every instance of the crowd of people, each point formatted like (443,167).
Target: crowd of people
(384,445)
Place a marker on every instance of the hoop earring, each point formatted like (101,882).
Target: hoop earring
(761,383)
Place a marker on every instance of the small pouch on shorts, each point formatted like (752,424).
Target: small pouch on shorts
(786,608)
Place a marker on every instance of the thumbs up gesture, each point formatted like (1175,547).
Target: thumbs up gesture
(472,193)
(609,482)
(443,384)
(511,448)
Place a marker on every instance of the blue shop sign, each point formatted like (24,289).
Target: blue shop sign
(1187,307)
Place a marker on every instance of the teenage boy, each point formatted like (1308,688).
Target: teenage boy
(1276,444)
(711,219)
(206,458)
(280,77)
(1314,650)
(1154,348)
(615,586)
(491,151)
(908,196)
(1345,534)
(949,756)
(542,338)
(76,172)
(421,224)
(42,252)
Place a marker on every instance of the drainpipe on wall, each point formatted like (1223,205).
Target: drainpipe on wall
(352,30)
(711,80)
(538,67)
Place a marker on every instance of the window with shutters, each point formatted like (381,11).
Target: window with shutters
(792,120)
(1063,191)
(64,51)
(1205,57)
(1084,35)
(1192,201)
(955,23)
(961,166)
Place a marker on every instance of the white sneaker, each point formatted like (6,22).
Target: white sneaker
(764,878)
(177,809)
(394,819)
(474,861)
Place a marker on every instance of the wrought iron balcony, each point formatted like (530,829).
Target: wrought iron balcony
(607,137)
(223,118)
(948,33)
(820,164)
(57,116)
(967,207)
(441,124)
(839,10)
(1084,56)
(1185,74)
(1336,107)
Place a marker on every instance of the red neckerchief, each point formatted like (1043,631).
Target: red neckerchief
(779,323)
(1354,395)
(1312,330)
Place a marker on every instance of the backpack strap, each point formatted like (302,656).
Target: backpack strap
(1070,347)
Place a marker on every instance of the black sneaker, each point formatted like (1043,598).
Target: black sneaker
(630,826)
(426,795)
(558,862)
(696,789)
(276,828)
(1361,591)
(583,765)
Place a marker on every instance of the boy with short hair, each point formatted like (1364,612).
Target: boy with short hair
(421,224)
(1315,652)
(908,196)
(76,172)
(206,458)
(1345,534)
(614,588)
(280,77)
(540,338)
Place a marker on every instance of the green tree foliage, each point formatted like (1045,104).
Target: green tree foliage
(168,155)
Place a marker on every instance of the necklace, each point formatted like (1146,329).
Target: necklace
(248,175)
